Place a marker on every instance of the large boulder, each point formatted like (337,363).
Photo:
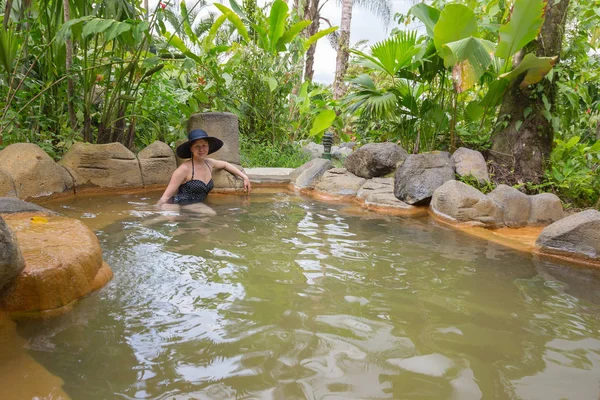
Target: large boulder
(11,260)
(226,181)
(340,182)
(63,262)
(375,159)
(459,202)
(103,165)
(157,163)
(309,174)
(420,175)
(7,186)
(224,126)
(470,163)
(516,205)
(375,186)
(32,171)
(577,235)
(546,208)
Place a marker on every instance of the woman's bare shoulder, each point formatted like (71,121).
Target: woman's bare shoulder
(218,164)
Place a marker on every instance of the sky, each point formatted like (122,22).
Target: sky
(365,26)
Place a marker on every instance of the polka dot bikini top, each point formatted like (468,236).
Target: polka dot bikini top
(194,190)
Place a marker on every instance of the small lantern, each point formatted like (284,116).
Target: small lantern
(327,142)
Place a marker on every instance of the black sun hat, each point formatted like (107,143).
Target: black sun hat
(214,144)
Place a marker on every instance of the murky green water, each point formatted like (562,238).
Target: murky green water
(284,297)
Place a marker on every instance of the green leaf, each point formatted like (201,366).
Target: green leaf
(213,30)
(186,23)
(322,122)
(238,10)
(495,93)
(115,30)
(470,58)
(272,83)
(535,68)
(365,81)
(234,19)
(179,45)
(428,15)
(318,36)
(395,53)
(294,30)
(277,18)
(456,22)
(524,25)
(474,111)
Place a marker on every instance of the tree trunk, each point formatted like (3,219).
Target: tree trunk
(523,142)
(69,65)
(311,12)
(341,61)
(7,10)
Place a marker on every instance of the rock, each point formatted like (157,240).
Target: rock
(59,268)
(180,160)
(11,260)
(387,200)
(516,205)
(420,175)
(7,186)
(157,163)
(340,182)
(348,145)
(33,172)
(308,175)
(376,185)
(315,150)
(577,235)
(9,205)
(224,126)
(460,202)
(470,162)
(375,159)
(340,153)
(546,208)
(226,181)
(103,165)
(269,175)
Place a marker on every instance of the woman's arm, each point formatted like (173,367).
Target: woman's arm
(177,179)
(218,164)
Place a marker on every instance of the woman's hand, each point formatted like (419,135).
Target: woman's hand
(247,186)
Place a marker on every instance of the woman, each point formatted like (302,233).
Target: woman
(192,181)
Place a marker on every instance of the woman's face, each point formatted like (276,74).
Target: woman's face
(200,148)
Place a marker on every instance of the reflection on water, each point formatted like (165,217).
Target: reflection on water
(282,297)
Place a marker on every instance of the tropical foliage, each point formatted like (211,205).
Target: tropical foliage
(110,70)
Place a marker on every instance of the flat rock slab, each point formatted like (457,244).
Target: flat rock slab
(577,235)
(269,175)
(387,201)
(376,185)
(63,262)
(340,182)
(309,174)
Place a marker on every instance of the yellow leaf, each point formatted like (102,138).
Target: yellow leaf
(39,220)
